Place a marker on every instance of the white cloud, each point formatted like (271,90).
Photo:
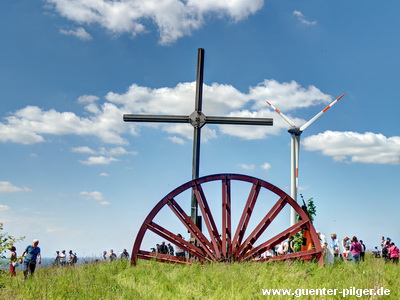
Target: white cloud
(222,100)
(4,207)
(247,167)
(287,96)
(303,188)
(8,187)
(98,160)
(103,174)
(98,196)
(32,124)
(173,18)
(266,166)
(78,32)
(352,147)
(93,195)
(83,150)
(29,125)
(116,151)
(176,140)
(303,19)
(84,99)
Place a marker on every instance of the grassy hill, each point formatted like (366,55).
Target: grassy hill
(151,280)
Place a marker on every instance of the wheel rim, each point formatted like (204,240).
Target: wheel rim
(222,244)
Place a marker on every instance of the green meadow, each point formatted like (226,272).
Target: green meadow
(152,280)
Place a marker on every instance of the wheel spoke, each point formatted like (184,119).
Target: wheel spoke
(247,211)
(176,240)
(304,255)
(165,258)
(277,239)
(269,217)
(193,229)
(226,218)
(208,219)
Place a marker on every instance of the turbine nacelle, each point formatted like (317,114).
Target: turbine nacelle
(294,130)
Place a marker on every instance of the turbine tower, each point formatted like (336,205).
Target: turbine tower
(296,132)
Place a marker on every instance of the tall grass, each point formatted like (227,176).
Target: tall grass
(152,280)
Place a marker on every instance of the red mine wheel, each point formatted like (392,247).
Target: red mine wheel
(224,244)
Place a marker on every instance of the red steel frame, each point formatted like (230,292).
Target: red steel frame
(224,247)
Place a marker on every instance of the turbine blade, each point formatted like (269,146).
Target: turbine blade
(282,115)
(304,127)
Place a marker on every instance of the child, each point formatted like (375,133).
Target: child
(13,260)
(347,254)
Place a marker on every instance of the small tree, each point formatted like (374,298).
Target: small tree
(298,237)
(6,242)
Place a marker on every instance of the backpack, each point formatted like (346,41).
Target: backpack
(163,249)
(385,251)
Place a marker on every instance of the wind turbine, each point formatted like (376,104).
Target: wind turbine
(296,132)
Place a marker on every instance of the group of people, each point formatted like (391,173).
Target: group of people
(164,248)
(354,250)
(347,249)
(169,249)
(61,259)
(111,256)
(283,248)
(389,250)
(29,258)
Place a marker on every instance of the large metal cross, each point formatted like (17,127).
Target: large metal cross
(198,120)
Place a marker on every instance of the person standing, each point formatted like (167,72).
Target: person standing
(57,259)
(31,256)
(72,260)
(179,252)
(347,256)
(13,260)
(335,245)
(362,253)
(323,241)
(170,249)
(394,253)
(63,258)
(112,256)
(104,256)
(124,255)
(355,249)
(382,242)
(163,248)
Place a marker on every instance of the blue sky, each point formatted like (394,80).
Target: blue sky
(75,176)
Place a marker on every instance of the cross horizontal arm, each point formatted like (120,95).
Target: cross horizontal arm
(239,121)
(156,118)
(188,119)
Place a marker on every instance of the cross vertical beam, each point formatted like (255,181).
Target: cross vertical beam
(197,133)
(197,119)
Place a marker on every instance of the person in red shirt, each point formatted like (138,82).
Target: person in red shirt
(13,260)
(394,253)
